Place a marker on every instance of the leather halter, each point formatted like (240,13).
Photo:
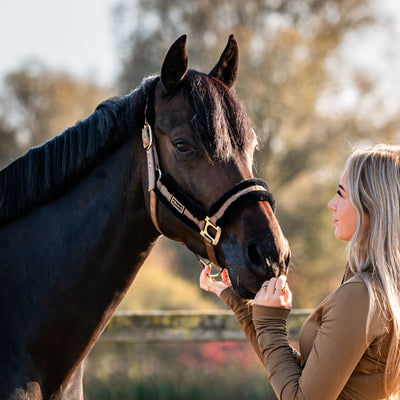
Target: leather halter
(208,223)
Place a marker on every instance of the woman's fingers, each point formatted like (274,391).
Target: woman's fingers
(205,279)
(274,293)
(271,287)
(280,285)
(211,285)
(225,277)
(288,297)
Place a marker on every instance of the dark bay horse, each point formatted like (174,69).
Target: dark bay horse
(79,215)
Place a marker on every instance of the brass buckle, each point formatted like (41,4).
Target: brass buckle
(205,233)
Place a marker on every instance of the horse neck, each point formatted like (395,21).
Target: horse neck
(112,216)
(104,216)
(70,262)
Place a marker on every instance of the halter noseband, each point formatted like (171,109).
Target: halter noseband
(208,223)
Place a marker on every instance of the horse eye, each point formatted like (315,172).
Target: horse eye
(183,147)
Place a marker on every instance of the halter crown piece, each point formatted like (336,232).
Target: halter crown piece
(208,223)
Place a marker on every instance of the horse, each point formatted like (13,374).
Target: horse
(80,214)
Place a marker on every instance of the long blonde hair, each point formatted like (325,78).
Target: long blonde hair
(373,176)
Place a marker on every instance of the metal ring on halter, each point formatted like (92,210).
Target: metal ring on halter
(207,263)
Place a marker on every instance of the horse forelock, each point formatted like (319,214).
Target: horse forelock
(46,172)
(220,123)
(219,120)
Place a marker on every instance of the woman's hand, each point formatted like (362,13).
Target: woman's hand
(211,285)
(274,293)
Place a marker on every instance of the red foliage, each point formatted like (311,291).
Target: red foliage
(219,354)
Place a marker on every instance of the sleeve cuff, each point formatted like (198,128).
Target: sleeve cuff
(265,313)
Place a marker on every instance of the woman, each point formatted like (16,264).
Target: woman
(350,345)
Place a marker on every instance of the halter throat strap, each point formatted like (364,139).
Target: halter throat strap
(207,223)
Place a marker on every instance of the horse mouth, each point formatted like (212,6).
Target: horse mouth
(248,289)
(244,293)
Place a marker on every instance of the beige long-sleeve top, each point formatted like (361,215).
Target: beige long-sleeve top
(339,357)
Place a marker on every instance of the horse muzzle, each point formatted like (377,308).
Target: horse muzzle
(255,249)
(264,261)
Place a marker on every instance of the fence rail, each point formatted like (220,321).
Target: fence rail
(184,326)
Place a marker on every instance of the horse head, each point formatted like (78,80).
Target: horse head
(200,144)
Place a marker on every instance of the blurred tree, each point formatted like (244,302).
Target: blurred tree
(289,59)
(9,148)
(41,104)
(160,285)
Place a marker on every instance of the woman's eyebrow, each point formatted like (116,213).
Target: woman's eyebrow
(341,187)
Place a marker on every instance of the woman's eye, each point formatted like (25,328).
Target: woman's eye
(339,193)
(183,148)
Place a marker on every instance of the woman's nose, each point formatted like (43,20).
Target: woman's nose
(331,205)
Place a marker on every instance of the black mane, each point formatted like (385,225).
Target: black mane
(47,171)
(220,122)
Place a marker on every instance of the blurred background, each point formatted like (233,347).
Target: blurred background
(318,78)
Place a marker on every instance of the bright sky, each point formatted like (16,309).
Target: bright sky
(76,36)
(71,35)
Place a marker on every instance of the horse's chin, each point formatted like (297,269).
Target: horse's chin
(244,293)
(240,290)
(251,291)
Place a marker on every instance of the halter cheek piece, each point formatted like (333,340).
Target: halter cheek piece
(209,223)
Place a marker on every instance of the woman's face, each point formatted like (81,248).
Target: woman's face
(344,214)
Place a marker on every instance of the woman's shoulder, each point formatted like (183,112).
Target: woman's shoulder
(358,285)
(353,289)
(353,297)
(356,282)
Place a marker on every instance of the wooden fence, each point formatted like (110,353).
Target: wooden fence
(184,326)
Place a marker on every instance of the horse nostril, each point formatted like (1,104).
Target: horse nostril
(257,259)
(254,255)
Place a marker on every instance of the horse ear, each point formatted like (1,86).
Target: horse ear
(175,65)
(227,66)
